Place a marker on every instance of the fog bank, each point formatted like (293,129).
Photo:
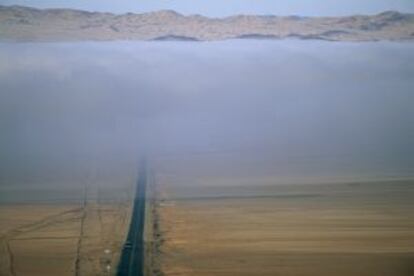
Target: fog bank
(76,111)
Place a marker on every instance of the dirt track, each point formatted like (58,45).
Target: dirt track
(61,239)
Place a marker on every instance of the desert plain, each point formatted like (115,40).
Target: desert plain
(359,228)
(44,238)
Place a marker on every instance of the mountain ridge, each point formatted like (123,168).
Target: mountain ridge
(20,23)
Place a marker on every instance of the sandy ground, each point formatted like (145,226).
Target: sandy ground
(337,229)
(58,239)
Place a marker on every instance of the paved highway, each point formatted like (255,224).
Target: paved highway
(132,256)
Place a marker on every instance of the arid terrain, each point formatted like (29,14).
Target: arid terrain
(62,239)
(312,229)
(264,157)
(28,24)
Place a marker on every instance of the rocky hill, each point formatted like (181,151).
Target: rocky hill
(19,23)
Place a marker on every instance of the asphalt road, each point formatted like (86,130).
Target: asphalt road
(132,256)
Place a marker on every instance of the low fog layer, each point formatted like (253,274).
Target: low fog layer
(70,112)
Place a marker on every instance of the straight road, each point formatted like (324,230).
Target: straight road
(132,256)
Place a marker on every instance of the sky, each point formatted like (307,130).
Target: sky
(218,8)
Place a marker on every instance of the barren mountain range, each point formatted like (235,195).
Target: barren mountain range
(19,23)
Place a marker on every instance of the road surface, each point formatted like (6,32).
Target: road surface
(132,256)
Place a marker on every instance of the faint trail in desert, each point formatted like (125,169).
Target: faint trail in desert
(81,233)
(99,209)
(46,238)
(47,221)
(11,259)
(71,214)
(79,244)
